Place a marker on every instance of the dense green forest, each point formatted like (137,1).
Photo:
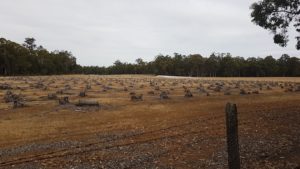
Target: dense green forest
(30,59)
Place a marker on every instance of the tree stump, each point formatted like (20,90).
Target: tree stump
(163,95)
(18,104)
(63,101)
(52,96)
(188,93)
(82,94)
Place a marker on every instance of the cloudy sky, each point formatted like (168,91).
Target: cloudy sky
(98,32)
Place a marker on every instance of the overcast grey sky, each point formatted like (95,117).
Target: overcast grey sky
(98,32)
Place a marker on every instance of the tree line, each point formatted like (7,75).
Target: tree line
(30,59)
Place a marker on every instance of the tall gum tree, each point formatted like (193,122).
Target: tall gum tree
(276,16)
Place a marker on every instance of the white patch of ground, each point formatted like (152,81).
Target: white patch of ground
(175,77)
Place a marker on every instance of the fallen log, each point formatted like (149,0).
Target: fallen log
(137,97)
(83,102)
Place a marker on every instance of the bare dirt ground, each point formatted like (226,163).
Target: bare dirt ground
(179,132)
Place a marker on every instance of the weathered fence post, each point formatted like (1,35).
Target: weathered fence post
(232,136)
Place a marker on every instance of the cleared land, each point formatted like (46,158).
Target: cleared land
(149,131)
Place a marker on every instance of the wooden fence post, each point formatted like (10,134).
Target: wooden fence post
(232,136)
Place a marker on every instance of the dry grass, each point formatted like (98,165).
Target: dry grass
(178,132)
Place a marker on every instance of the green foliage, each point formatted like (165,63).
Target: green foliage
(276,16)
(30,60)
(27,59)
(30,43)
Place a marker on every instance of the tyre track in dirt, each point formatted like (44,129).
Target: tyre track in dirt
(65,152)
(129,139)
